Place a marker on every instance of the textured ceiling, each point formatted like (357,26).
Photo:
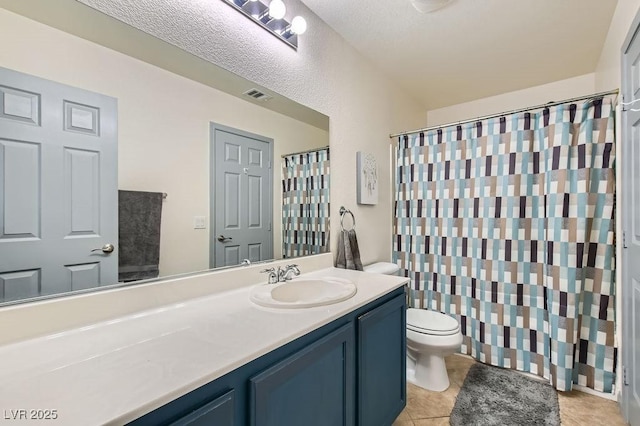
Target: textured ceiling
(472,49)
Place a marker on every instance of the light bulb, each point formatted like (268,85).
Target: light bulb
(277,9)
(298,25)
(428,6)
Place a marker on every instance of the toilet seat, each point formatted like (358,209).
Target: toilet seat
(431,322)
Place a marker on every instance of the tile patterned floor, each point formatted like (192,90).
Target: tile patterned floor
(425,408)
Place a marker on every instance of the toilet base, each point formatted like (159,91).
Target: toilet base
(429,372)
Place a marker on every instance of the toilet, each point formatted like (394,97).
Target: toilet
(431,336)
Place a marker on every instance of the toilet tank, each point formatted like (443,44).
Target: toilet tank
(385,268)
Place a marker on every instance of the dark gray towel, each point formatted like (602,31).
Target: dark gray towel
(139,219)
(348,251)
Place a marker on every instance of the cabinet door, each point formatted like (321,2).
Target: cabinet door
(315,386)
(382,377)
(217,412)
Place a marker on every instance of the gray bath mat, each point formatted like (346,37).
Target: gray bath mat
(495,396)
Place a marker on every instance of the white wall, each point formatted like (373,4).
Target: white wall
(163,128)
(325,74)
(607,73)
(538,95)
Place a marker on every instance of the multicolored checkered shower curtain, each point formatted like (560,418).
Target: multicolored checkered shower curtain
(508,224)
(305,203)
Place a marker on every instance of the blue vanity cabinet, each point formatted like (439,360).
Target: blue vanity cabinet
(350,371)
(382,379)
(313,387)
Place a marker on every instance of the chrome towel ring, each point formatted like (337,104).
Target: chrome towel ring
(343,212)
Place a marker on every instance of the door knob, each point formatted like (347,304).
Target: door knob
(224,239)
(107,248)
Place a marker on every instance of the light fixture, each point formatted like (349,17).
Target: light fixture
(277,9)
(298,25)
(428,6)
(270,15)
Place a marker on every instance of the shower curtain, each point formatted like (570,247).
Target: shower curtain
(305,203)
(508,225)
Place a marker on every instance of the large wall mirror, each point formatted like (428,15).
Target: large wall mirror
(124,158)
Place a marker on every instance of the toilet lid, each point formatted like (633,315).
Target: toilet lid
(431,322)
(382,268)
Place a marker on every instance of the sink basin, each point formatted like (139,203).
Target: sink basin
(303,292)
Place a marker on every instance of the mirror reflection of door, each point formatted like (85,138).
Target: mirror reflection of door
(58,188)
(241,195)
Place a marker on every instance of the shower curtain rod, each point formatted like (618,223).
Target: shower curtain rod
(305,152)
(501,114)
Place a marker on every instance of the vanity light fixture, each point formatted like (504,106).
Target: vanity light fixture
(269,14)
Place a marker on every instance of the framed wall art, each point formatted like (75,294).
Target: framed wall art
(367,180)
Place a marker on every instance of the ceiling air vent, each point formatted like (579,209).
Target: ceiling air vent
(257,95)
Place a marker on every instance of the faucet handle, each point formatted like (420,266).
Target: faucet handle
(292,266)
(273,275)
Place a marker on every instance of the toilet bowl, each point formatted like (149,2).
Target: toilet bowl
(430,337)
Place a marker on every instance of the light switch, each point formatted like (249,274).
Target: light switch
(199,222)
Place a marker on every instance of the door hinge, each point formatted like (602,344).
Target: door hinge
(624,239)
(624,376)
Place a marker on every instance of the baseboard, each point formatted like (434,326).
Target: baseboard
(609,396)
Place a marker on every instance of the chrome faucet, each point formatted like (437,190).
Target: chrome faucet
(281,274)
(285,274)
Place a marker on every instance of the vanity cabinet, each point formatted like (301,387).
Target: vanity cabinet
(350,371)
(315,386)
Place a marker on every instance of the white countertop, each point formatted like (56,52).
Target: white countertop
(115,371)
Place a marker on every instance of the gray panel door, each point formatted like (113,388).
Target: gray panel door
(58,187)
(241,212)
(631,224)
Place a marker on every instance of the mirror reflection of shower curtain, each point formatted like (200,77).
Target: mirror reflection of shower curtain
(305,203)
